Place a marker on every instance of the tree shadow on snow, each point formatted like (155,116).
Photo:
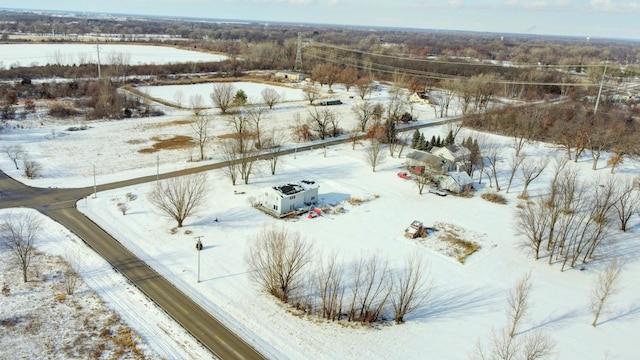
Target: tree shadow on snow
(629,314)
(456,303)
(555,321)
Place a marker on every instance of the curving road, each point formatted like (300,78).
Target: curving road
(59,204)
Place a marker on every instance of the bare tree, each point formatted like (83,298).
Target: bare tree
(15,153)
(123,207)
(370,290)
(411,288)
(223,95)
(606,285)
(364,113)
(311,93)
(364,87)
(447,94)
(531,169)
(532,221)
(537,345)
(231,160)
(272,145)
(331,288)
(200,127)
(270,97)
(19,235)
(276,258)
(179,197)
(320,121)
(514,162)
(493,154)
(255,114)
(421,181)
(70,278)
(628,202)
(518,303)
(374,154)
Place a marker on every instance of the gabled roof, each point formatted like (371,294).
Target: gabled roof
(456,152)
(461,178)
(425,158)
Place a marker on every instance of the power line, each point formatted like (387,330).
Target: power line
(328,56)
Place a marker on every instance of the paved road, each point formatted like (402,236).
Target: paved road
(59,204)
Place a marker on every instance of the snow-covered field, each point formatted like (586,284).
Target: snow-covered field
(19,55)
(467,303)
(180,94)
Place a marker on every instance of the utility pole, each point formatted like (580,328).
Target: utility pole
(298,65)
(98,50)
(95,193)
(595,109)
(198,248)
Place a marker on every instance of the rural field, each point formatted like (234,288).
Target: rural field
(468,301)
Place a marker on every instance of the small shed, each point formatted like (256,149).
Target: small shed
(415,230)
(290,75)
(455,181)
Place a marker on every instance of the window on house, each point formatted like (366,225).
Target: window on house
(275,207)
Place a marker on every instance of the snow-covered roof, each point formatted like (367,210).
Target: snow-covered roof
(461,177)
(457,152)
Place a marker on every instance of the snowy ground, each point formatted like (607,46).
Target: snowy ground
(468,300)
(18,55)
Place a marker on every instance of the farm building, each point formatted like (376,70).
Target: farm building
(290,75)
(420,97)
(454,181)
(455,156)
(424,161)
(290,197)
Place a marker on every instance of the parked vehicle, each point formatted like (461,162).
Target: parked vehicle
(437,192)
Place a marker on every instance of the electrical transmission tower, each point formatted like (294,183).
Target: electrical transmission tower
(298,66)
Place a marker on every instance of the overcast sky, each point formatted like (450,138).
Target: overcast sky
(593,18)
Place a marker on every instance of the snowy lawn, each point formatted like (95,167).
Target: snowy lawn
(467,302)
(17,55)
(38,317)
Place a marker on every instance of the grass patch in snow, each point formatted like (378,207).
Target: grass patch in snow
(452,241)
(494,198)
(172,143)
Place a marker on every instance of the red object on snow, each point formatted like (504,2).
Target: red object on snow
(317,211)
(403,175)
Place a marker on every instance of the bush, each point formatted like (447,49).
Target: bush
(31,169)
(61,110)
(494,198)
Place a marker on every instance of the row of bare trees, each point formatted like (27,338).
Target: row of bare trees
(367,290)
(574,218)
(572,126)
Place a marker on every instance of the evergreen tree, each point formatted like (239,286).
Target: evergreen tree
(391,134)
(450,139)
(422,143)
(416,139)
(240,98)
(431,143)
(438,142)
